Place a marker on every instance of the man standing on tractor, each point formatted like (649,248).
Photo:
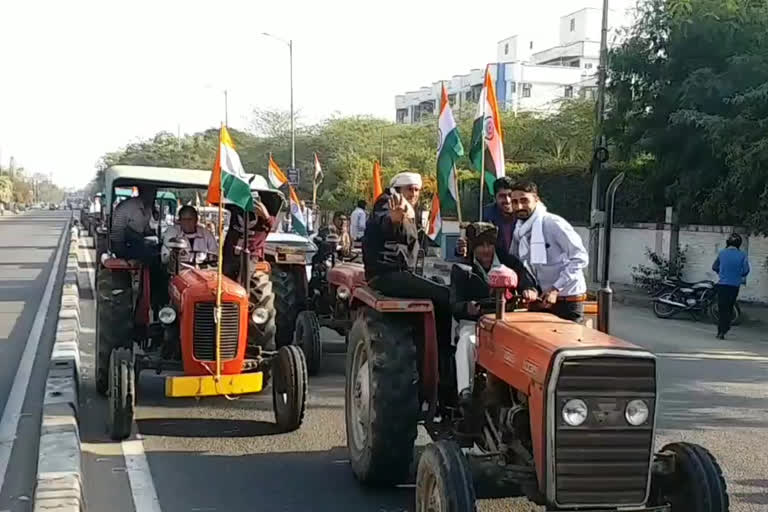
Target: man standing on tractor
(549,246)
(391,246)
(260,223)
(199,238)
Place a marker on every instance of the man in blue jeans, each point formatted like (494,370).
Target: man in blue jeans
(732,267)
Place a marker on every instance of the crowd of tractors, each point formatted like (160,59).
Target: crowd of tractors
(562,414)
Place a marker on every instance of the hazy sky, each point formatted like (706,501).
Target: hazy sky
(80,78)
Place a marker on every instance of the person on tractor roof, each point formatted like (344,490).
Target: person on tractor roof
(472,296)
(391,247)
(260,223)
(200,240)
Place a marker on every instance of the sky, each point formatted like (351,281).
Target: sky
(82,78)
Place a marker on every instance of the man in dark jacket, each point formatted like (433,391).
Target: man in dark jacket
(471,297)
(391,246)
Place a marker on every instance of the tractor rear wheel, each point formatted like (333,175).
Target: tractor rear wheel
(696,485)
(262,335)
(307,336)
(289,388)
(289,300)
(381,402)
(444,480)
(114,320)
(122,393)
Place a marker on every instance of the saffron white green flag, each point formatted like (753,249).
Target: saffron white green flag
(486,135)
(435,219)
(228,178)
(279,180)
(449,149)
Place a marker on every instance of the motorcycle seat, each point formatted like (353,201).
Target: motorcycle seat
(703,285)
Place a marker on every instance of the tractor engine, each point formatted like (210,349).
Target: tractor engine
(193,297)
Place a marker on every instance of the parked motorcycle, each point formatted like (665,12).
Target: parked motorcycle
(699,299)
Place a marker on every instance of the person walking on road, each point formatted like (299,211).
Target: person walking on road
(549,246)
(732,267)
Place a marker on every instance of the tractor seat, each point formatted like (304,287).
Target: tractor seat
(122,264)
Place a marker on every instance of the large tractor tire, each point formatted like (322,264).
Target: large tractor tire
(114,320)
(262,335)
(289,388)
(696,485)
(381,405)
(287,284)
(122,393)
(307,336)
(444,480)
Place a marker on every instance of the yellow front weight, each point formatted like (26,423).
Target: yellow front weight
(206,385)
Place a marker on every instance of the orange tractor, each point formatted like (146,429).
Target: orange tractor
(561,414)
(181,335)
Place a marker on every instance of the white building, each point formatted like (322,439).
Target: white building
(527,75)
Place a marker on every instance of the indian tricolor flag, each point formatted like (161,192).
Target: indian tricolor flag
(278,180)
(229,178)
(435,219)
(487,145)
(449,149)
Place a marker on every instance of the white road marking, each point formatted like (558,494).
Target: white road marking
(139,475)
(717,356)
(9,423)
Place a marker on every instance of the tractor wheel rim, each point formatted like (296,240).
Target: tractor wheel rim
(360,399)
(432,502)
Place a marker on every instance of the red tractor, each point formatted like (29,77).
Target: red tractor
(561,414)
(181,337)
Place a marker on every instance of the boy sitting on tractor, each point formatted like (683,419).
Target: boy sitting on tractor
(471,296)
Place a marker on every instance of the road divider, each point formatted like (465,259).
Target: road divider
(59,485)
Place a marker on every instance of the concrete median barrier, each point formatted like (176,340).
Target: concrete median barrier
(59,471)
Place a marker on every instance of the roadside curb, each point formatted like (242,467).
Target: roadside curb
(59,470)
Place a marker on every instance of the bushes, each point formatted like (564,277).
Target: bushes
(650,277)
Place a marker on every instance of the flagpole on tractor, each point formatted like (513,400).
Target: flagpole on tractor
(314,185)
(458,201)
(219,273)
(482,171)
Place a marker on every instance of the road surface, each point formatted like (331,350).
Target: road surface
(219,455)
(29,296)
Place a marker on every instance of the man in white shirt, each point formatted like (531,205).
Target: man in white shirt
(130,223)
(200,239)
(358,220)
(552,250)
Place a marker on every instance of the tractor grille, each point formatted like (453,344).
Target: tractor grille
(605,461)
(204,337)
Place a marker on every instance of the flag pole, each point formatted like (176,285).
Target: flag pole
(314,185)
(219,273)
(482,170)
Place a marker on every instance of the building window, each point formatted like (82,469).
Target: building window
(402,115)
(512,87)
(573,24)
(569,91)
(530,45)
(526,90)
(588,65)
(575,64)
(506,49)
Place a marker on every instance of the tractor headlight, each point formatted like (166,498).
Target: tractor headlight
(636,412)
(167,315)
(343,292)
(575,412)
(259,316)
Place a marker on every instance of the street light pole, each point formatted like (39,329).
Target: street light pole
(293,131)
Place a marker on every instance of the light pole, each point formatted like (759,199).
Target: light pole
(290,57)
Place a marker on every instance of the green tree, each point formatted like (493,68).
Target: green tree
(688,87)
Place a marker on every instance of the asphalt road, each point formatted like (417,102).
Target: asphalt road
(219,455)
(29,297)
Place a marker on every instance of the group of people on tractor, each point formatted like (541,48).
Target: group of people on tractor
(131,224)
(542,248)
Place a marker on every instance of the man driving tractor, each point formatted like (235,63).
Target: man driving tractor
(260,223)
(391,246)
(199,238)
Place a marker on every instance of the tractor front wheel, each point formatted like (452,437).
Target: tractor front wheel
(289,388)
(122,393)
(695,485)
(307,336)
(444,480)
(114,320)
(381,404)
(262,335)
